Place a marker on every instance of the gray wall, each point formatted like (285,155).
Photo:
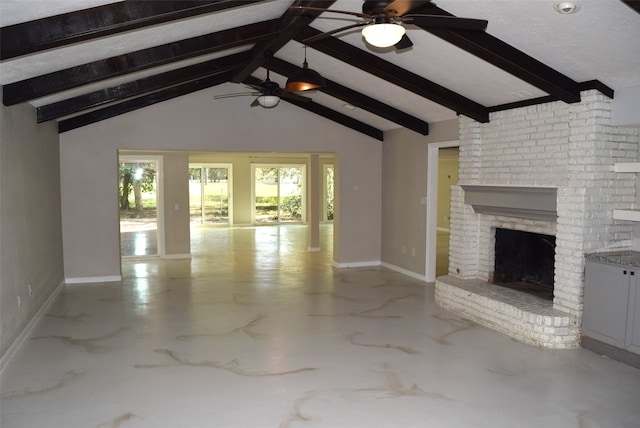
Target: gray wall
(404,182)
(30,221)
(176,194)
(89,182)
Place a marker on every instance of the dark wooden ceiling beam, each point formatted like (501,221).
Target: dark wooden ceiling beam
(293,21)
(584,86)
(633,4)
(330,114)
(197,85)
(74,77)
(507,58)
(378,67)
(359,100)
(68,28)
(143,101)
(340,118)
(139,87)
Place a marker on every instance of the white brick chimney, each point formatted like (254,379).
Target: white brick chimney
(569,147)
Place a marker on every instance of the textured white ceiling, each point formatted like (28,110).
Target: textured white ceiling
(600,42)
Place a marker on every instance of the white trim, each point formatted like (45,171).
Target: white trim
(432,206)
(356,264)
(405,272)
(141,257)
(93,279)
(177,256)
(26,332)
(313,249)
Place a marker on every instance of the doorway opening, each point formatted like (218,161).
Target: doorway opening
(279,195)
(447,176)
(442,173)
(328,191)
(210,194)
(140,207)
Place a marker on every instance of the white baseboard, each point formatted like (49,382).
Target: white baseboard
(93,279)
(26,332)
(177,256)
(356,264)
(405,271)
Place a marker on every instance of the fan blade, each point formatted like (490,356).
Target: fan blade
(293,96)
(320,9)
(402,7)
(446,22)
(239,94)
(404,43)
(328,33)
(255,103)
(256,87)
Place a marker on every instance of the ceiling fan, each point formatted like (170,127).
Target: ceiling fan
(382,21)
(267,93)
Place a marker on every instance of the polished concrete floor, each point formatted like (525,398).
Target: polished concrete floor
(255,331)
(138,238)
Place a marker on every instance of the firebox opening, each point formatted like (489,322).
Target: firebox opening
(524,261)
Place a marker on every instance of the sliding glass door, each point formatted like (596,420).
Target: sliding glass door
(209,193)
(279,194)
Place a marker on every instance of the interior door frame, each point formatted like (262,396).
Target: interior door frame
(432,205)
(157,159)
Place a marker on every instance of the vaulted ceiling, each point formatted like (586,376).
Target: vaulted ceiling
(83,61)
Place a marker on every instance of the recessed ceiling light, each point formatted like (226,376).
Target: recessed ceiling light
(566,7)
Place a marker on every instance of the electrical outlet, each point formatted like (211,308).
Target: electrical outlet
(19,301)
(413,251)
(29,290)
(404,249)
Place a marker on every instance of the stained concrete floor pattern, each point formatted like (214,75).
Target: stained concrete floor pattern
(255,331)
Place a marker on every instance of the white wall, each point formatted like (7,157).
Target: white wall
(88,159)
(625,109)
(30,223)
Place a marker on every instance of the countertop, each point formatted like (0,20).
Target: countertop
(625,258)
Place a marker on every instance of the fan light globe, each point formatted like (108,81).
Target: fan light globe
(268,101)
(383,35)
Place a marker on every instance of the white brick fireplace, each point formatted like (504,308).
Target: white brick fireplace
(566,149)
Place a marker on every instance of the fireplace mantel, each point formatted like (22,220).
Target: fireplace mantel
(530,202)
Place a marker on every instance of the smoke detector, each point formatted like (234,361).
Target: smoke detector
(566,7)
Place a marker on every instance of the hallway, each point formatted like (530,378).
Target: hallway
(255,331)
